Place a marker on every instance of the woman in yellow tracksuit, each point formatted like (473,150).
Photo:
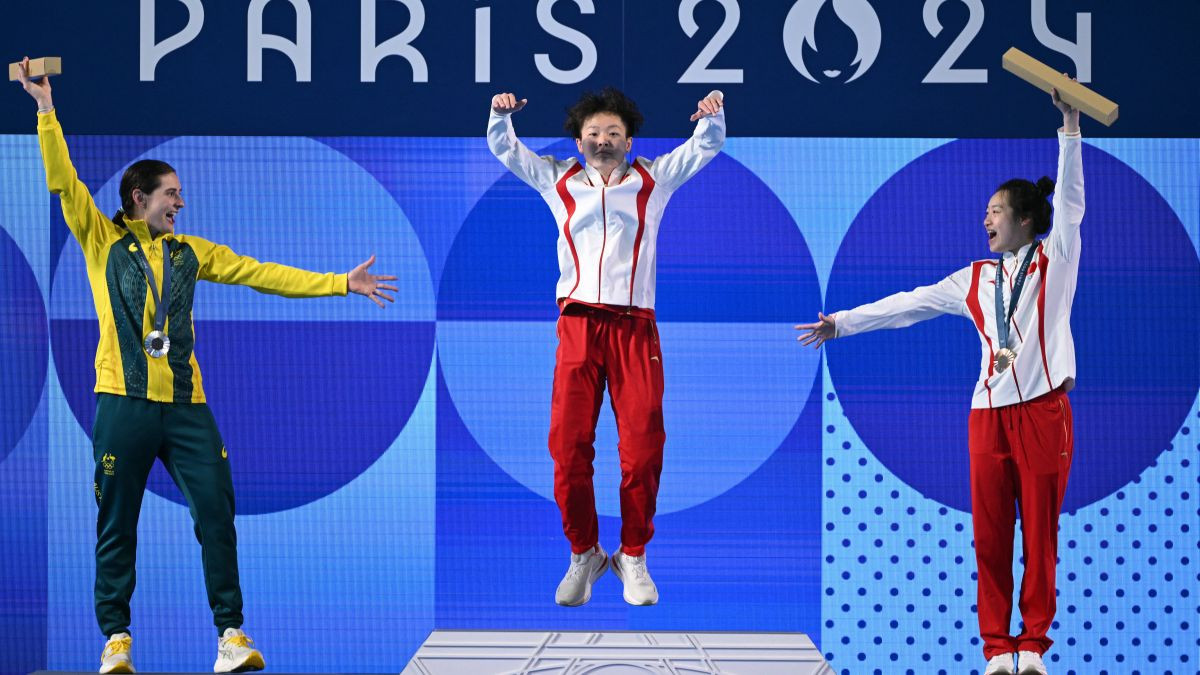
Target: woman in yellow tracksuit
(150,396)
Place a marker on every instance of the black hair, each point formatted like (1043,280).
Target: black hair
(609,100)
(1030,200)
(145,175)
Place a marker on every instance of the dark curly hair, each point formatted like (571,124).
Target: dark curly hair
(609,100)
(1029,200)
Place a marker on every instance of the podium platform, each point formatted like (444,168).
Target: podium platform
(478,652)
(481,652)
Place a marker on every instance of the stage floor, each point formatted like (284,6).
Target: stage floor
(448,652)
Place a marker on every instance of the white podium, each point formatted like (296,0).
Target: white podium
(479,652)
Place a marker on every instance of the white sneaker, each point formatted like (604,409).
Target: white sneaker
(575,588)
(1001,664)
(116,658)
(639,587)
(236,653)
(1031,663)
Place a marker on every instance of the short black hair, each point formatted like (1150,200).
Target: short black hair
(609,100)
(1029,200)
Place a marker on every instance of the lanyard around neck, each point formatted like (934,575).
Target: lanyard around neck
(1018,284)
(160,312)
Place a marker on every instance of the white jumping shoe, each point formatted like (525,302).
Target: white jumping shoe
(575,588)
(639,587)
(1001,664)
(1031,664)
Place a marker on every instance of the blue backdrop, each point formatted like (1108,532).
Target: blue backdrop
(929,68)
(391,468)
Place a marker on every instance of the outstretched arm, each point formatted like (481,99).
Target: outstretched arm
(221,265)
(899,310)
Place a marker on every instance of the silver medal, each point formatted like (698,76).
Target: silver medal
(157,344)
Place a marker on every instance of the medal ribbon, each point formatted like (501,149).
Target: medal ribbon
(1018,283)
(160,312)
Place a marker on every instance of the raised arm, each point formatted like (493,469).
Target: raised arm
(79,210)
(674,168)
(1063,241)
(540,173)
(899,310)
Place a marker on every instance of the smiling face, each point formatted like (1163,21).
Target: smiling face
(604,140)
(159,207)
(1004,231)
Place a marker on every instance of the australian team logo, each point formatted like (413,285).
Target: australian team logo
(109,464)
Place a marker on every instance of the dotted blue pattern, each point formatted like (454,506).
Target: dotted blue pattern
(899,569)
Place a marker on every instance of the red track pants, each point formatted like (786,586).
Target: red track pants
(597,346)
(1020,458)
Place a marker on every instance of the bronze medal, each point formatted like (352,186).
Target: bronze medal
(1004,359)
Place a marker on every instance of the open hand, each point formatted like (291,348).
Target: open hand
(819,332)
(360,281)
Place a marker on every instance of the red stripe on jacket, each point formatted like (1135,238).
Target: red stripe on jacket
(569,204)
(977,316)
(1041,305)
(643,198)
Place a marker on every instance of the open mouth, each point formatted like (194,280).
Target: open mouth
(171,218)
(991,234)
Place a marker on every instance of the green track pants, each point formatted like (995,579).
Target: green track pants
(128,435)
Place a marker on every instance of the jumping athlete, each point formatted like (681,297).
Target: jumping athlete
(1020,430)
(150,402)
(608,211)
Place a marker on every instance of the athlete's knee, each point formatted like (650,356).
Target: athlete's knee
(642,466)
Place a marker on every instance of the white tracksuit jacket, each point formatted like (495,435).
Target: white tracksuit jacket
(1040,331)
(607,233)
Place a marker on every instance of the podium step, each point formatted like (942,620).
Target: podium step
(478,652)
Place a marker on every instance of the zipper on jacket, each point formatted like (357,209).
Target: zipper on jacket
(603,244)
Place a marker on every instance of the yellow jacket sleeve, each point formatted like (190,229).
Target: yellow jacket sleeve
(221,265)
(91,227)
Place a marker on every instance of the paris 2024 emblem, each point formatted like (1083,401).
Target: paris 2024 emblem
(800,41)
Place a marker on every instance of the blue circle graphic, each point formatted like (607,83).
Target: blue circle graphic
(307,393)
(907,392)
(733,273)
(23,344)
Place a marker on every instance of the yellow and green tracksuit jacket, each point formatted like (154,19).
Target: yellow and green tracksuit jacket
(124,304)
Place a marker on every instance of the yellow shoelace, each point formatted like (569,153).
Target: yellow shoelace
(239,641)
(121,646)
